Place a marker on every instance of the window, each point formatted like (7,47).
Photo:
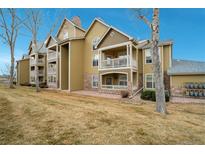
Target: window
(65,35)
(123,80)
(148,56)
(95,60)
(52,79)
(95,81)
(149,79)
(32,79)
(95,42)
(108,80)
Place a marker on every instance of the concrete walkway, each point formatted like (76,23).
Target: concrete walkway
(186,100)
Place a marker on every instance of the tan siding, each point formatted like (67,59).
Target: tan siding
(76,65)
(113,37)
(178,81)
(97,30)
(64,67)
(167,54)
(148,68)
(140,61)
(79,33)
(23,71)
(67,27)
(51,42)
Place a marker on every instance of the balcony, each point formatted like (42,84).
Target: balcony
(40,73)
(40,61)
(52,55)
(118,63)
(52,70)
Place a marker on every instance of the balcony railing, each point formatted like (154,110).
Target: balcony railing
(114,87)
(117,62)
(52,55)
(40,61)
(52,70)
(40,73)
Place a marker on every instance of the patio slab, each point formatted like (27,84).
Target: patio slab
(96,94)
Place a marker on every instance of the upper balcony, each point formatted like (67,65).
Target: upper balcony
(119,57)
(118,63)
(52,69)
(41,59)
(52,55)
(40,73)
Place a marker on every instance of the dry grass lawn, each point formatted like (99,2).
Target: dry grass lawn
(52,117)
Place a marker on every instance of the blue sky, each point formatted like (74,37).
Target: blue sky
(184,26)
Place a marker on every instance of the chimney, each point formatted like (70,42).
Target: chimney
(76,20)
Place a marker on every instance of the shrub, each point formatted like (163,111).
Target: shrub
(124,94)
(151,95)
(25,84)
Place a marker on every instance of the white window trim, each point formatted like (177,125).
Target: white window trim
(65,35)
(146,80)
(109,77)
(123,80)
(94,39)
(93,59)
(146,56)
(159,50)
(97,81)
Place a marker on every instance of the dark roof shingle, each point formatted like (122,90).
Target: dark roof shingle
(183,67)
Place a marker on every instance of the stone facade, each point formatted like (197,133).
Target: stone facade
(177,91)
(88,82)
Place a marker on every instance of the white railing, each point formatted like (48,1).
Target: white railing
(40,61)
(51,70)
(118,62)
(115,63)
(40,72)
(113,87)
(52,55)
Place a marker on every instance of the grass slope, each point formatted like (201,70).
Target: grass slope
(49,117)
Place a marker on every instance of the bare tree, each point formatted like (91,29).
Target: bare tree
(9,25)
(33,23)
(158,78)
(6,70)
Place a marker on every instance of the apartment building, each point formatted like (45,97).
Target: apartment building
(37,62)
(101,58)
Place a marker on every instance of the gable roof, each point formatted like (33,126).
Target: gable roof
(115,29)
(186,67)
(51,37)
(161,43)
(96,20)
(40,47)
(65,19)
(70,39)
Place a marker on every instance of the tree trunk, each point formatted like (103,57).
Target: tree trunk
(37,76)
(159,85)
(36,65)
(11,78)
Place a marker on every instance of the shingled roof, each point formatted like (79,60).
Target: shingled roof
(186,67)
(161,43)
